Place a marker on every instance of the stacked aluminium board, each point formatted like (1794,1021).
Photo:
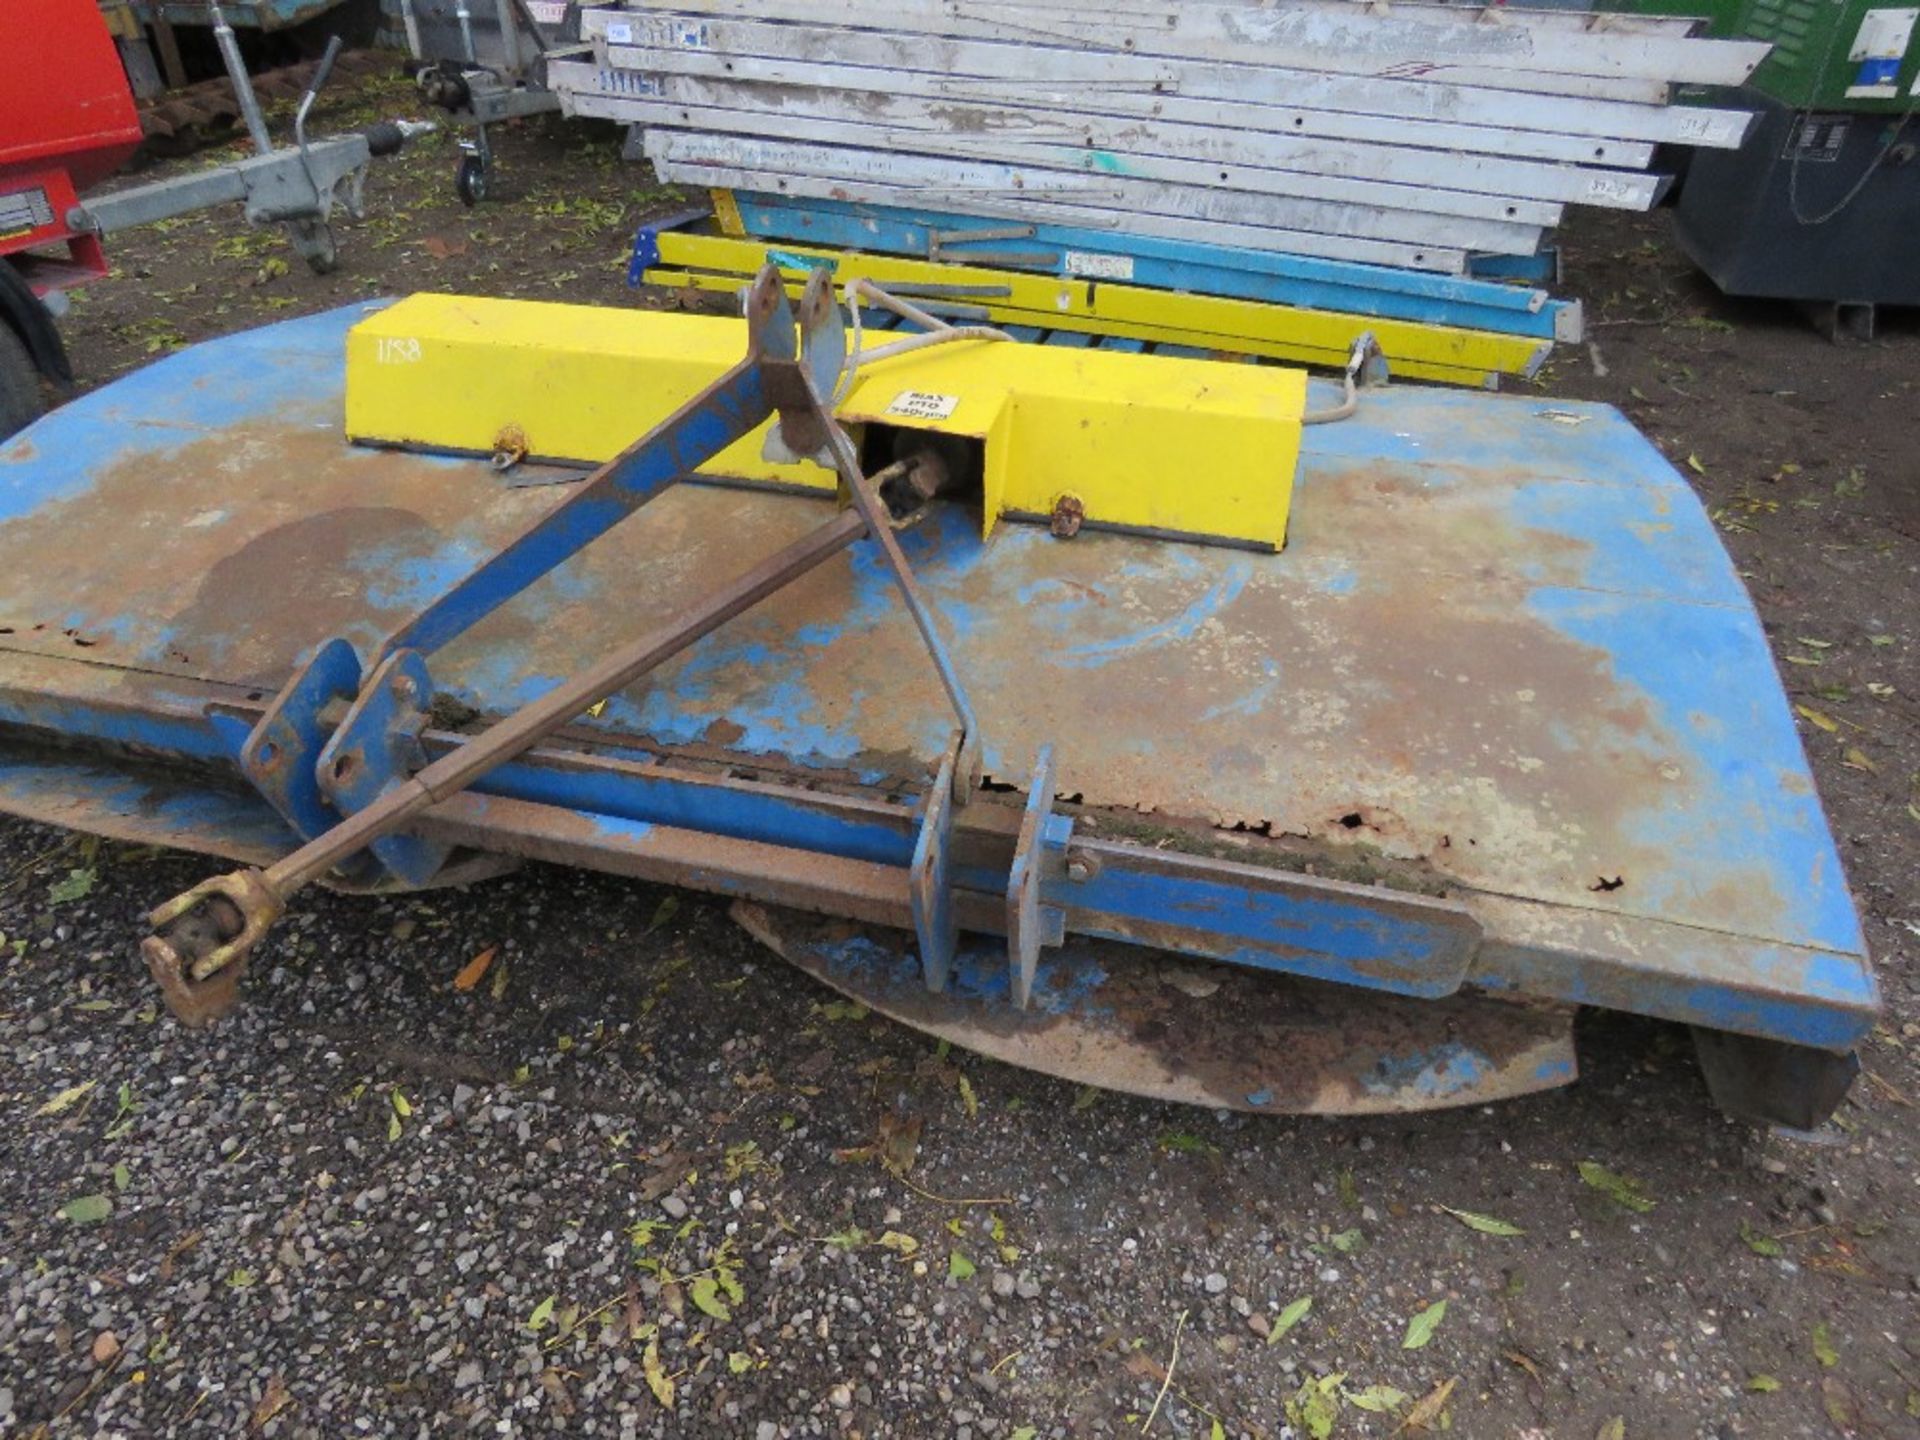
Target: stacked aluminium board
(1415,136)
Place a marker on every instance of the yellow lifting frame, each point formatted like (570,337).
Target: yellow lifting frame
(1208,322)
(1193,448)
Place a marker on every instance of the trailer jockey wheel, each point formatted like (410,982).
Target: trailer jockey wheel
(470,181)
(314,240)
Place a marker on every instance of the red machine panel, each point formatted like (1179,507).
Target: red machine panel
(64,100)
(67,122)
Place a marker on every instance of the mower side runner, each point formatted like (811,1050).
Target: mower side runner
(1358,825)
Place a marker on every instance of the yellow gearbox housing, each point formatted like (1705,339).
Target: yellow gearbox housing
(1199,449)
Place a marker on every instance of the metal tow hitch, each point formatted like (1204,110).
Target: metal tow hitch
(356,787)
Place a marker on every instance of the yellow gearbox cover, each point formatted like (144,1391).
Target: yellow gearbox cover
(1201,449)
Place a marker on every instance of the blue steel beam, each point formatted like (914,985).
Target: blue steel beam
(738,403)
(1482,304)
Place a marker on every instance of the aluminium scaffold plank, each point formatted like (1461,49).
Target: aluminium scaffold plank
(1407,206)
(1621,66)
(1405,96)
(1445,260)
(633,63)
(1532,18)
(978,184)
(992,130)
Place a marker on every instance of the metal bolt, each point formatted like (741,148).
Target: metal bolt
(1079,871)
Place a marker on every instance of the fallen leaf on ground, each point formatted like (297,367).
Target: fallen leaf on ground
(542,1313)
(1623,1190)
(441,249)
(1485,1224)
(77,886)
(705,1291)
(1823,1350)
(1289,1317)
(1526,1362)
(1818,717)
(475,970)
(1186,1143)
(668,1170)
(67,1098)
(1345,1241)
(658,1380)
(1762,1384)
(959,1267)
(1431,1406)
(179,1247)
(902,1244)
(556,1389)
(1380,1399)
(274,1398)
(663,912)
(86,1209)
(1842,1405)
(1315,1406)
(1854,758)
(1421,1327)
(1614,1429)
(1759,1243)
(1143,1366)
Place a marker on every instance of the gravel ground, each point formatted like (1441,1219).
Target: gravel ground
(640,1178)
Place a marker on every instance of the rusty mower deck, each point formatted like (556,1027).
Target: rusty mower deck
(1355,826)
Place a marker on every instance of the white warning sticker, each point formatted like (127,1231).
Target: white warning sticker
(1098,267)
(923,405)
(619,32)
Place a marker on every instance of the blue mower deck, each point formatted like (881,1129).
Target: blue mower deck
(1499,722)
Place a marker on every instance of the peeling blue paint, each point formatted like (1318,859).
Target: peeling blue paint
(1435,1074)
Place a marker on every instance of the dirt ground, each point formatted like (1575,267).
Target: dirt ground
(373,1203)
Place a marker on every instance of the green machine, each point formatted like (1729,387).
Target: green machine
(1822,204)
